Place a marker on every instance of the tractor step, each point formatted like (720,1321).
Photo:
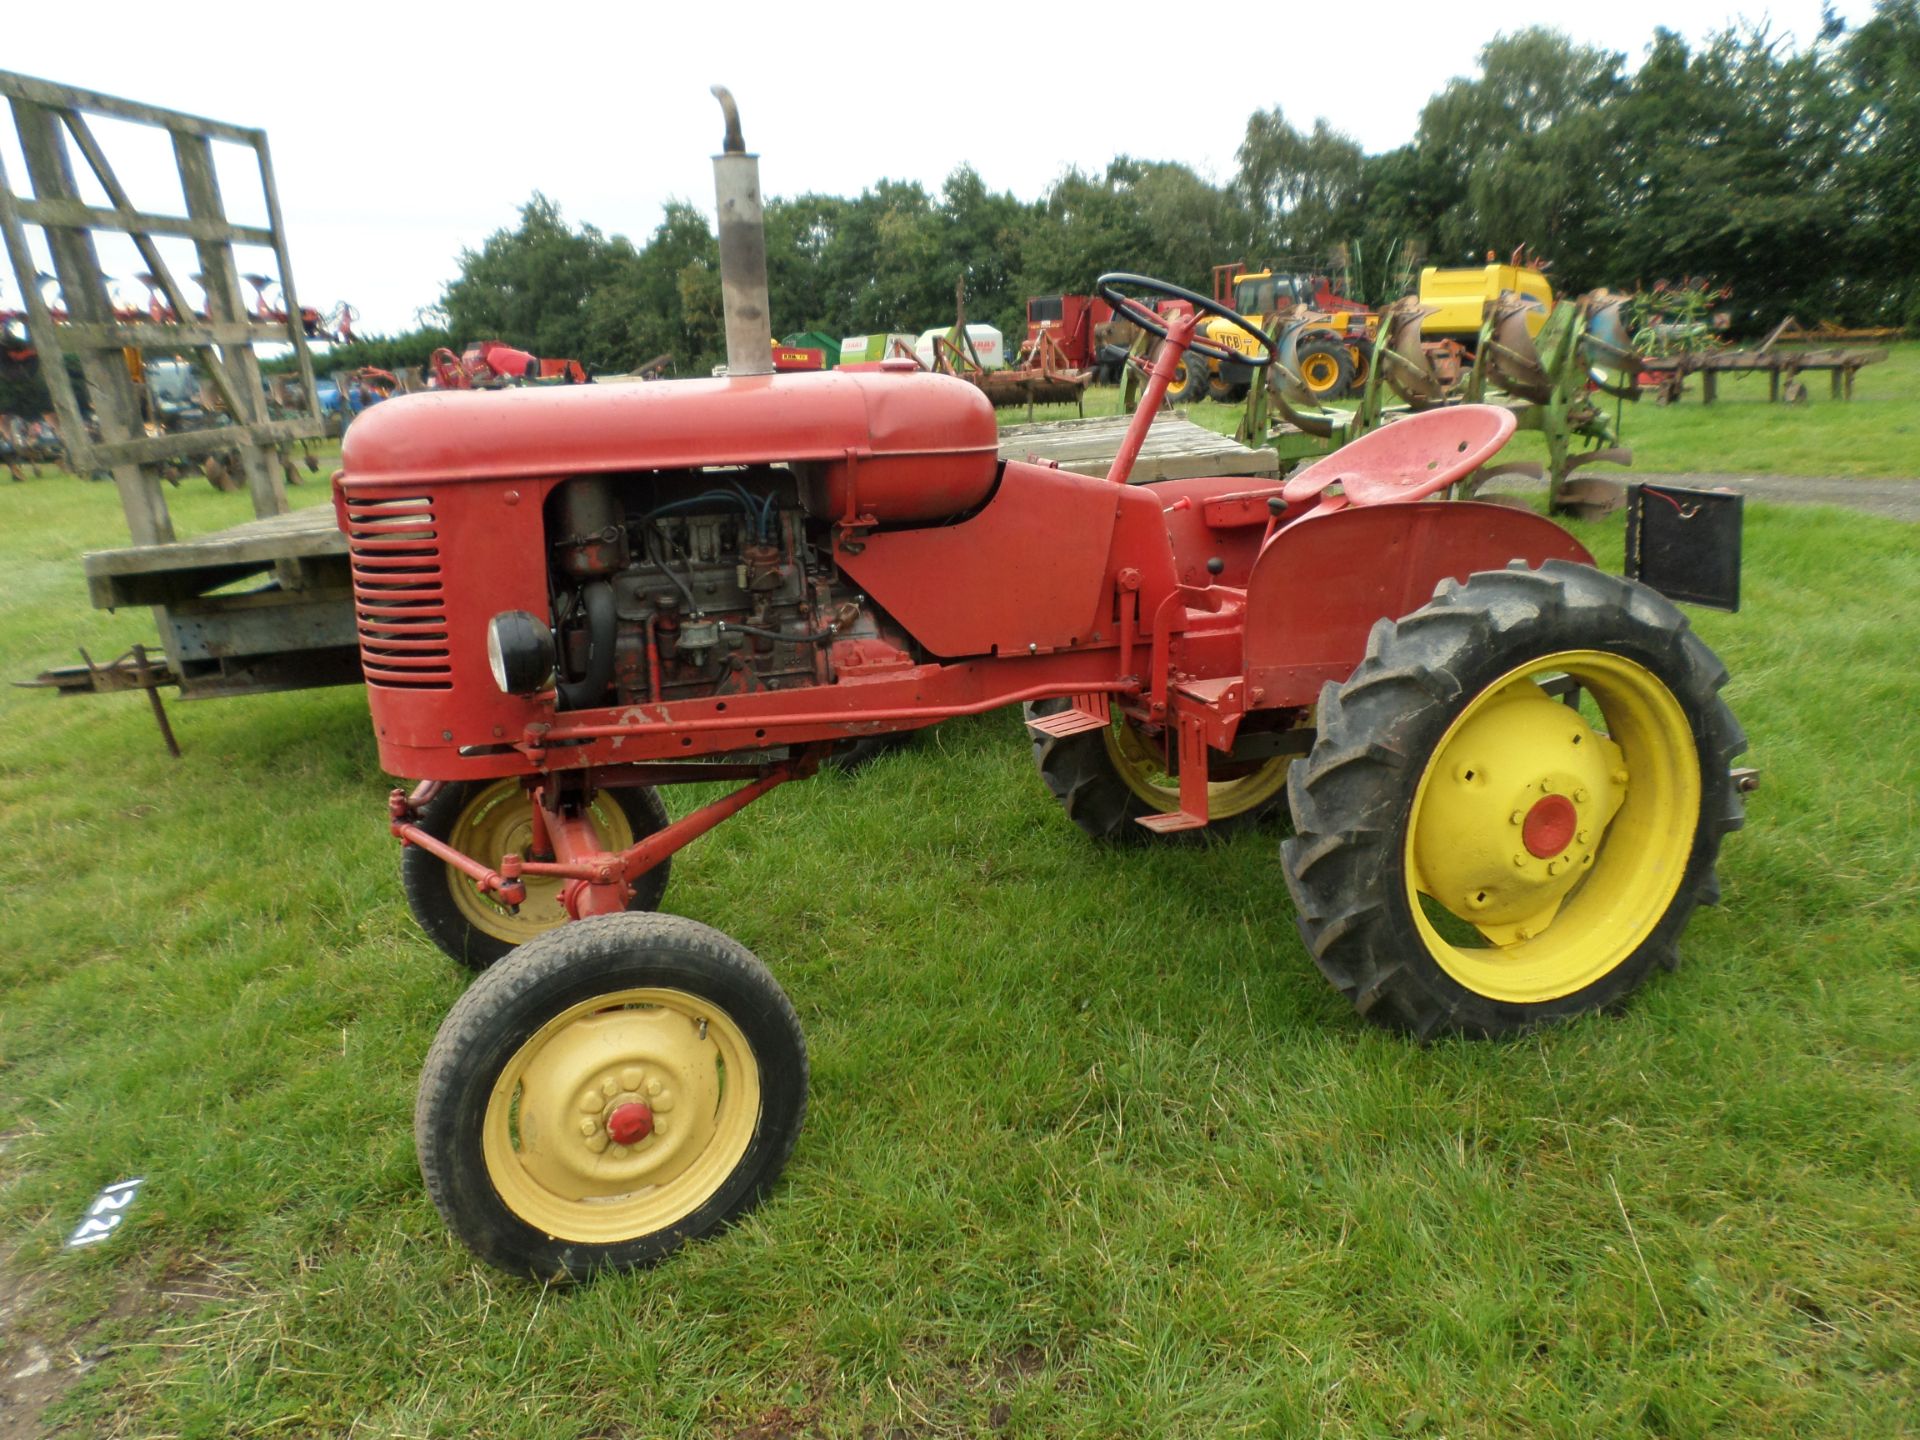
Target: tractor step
(1168,824)
(1088,712)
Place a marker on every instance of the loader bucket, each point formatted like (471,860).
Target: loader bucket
(1606,348)
(1403,359)
(1516,363)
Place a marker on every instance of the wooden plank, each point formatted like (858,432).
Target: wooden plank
(46,92)
(85,289)
(296,330)
(184,444)
(297,533)
(1175,448)
(102,336)
(77,215)
(220,278)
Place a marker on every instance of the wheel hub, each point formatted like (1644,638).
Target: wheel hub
(629,1123)
(1516,806)
(1550,826)
(600,1104)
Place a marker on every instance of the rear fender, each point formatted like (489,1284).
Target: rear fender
(1320,584)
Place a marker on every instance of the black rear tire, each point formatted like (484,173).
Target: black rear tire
(1351,865)
(472,1160)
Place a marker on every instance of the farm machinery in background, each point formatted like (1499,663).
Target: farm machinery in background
(1553,370)
(492,365)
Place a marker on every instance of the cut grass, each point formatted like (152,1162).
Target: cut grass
(1093,1150)
(1875,435)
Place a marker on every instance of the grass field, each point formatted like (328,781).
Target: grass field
(1093,1150)
(1876,434)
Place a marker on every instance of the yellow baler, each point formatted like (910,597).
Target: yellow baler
(1459,298)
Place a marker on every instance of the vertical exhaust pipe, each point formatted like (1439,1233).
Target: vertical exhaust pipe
(743,249)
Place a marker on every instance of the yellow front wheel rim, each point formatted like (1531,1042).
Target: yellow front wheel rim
(1142,768)
(498,821)
(1543,849)
(621,1115)
(1321,372)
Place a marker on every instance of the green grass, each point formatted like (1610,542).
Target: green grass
(1093,1149)
(1876,434)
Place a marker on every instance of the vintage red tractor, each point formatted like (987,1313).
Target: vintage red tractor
(1509,773)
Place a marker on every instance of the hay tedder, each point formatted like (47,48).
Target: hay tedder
(1555,377)
(1508,773)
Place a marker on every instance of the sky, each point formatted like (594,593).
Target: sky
(401,133)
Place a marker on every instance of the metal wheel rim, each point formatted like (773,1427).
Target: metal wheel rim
(545,1135)
(498,821)
(1320,370)
(1139,765)
(1553,923)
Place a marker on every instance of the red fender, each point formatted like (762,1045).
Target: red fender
(1321,583)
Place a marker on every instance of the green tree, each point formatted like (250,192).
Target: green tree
(530,286)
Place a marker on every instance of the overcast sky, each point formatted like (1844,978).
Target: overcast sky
(402,132)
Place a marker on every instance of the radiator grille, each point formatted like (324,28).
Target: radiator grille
(399,601)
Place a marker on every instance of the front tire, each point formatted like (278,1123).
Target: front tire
(491,818)
(1190,380)
(1473,856)
(608,1092)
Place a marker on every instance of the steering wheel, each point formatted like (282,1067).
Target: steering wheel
(1148,321)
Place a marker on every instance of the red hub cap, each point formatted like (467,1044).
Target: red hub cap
(1549,826)
(630,1123)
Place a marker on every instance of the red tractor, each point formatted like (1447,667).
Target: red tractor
(1509,773)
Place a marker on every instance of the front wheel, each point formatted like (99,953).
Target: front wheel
(1190,380)
(1474,854)
(488,819)
(608,1092)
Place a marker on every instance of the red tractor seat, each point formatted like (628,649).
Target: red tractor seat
(1407,460)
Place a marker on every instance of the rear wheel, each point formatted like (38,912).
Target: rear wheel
(1473,855)
(488,819)
(608,1092)
(1107,780)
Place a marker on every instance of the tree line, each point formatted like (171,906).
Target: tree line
(1787,174)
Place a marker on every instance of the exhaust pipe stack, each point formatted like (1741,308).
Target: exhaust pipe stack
(743,249)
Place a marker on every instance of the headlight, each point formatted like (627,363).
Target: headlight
(519,652)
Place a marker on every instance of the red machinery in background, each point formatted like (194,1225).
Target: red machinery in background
(490,365)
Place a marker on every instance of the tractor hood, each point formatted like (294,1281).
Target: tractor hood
(443,436)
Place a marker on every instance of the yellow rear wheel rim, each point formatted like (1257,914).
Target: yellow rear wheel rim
(549,1133)
(498,821)
(1142,768)
(1517,773)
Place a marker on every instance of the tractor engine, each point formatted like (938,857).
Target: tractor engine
(687,584)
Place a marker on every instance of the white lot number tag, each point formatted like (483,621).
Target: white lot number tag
(106,1213)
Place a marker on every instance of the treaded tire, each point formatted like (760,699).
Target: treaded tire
(1079,773)
(509,1004)
(1334,350)
(1353,796)
(427,880)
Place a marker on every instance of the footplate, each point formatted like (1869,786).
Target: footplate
(1192,814)
(1088,712)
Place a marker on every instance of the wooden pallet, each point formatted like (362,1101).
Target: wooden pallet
(266,605)
(1176,448)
